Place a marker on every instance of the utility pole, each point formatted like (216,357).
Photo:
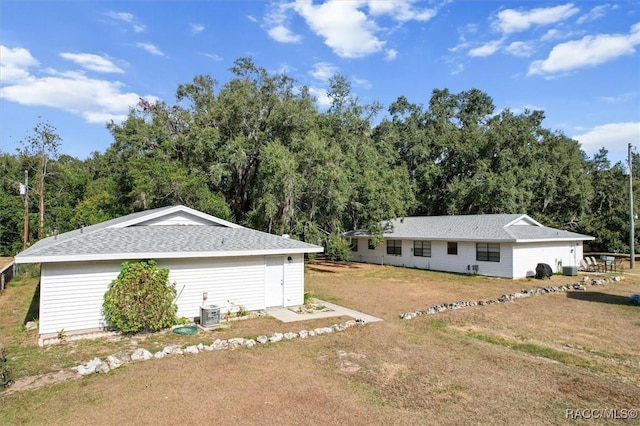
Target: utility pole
(24,191)
(632,249)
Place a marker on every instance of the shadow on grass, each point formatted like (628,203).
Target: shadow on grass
(595,296)
(324,271)
(33,314)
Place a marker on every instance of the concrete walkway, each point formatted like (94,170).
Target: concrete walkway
(287,315)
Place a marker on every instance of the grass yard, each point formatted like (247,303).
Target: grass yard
(524,362)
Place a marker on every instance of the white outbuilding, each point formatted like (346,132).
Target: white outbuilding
(499,245)
(210,260)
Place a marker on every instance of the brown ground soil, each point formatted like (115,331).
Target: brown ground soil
(524,362)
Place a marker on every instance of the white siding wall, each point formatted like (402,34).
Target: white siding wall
(71,294)
(238,280)
(294,280)
(439,260)
(556,255)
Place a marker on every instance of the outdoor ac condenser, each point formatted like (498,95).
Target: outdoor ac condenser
(209,315)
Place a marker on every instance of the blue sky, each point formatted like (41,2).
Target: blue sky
(77,64)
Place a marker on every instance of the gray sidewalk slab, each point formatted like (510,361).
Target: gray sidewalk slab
(287,315)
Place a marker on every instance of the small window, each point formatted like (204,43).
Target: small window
(354,244)
(452,247)
(422,248)
(394,247)
(370,244)
(488,252)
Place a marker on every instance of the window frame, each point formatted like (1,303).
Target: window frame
(488,252)
(422,248)
(370,244)
(452,248)
(353,246)
(394,247)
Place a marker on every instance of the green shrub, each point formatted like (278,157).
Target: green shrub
(140,299)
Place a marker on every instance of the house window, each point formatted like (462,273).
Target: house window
(452,247)
(489,252)
(422,248)
(370,244)
(354,244)
(394,247)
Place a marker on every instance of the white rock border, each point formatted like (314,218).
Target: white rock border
(579,286)
(97,365)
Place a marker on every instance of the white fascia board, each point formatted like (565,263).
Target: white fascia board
(171,255)
(519,218)
(553,240)
(172,210)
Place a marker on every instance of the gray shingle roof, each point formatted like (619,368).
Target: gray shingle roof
(489,227)
(109,240)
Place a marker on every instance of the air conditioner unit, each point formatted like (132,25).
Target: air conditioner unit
(209,315)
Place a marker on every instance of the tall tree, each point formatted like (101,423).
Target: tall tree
(41,147)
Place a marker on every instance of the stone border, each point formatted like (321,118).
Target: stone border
(580,286)
(111,362)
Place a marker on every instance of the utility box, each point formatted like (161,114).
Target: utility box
(570,271)
(209,315)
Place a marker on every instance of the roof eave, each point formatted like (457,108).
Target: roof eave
(169,255)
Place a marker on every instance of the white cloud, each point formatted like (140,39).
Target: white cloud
(511,21)
(621,98)
(349,28)
(128,18)
(400,10)
(121,16)
(390,54)
(615,137)
(15,64)
(520,48)
(93,99)
(596,13)
(277,24)
(486,49)
(346,30)
(251,18)
(151,48)
(361,82)
(212,56)
(282,34)
(323,71)
(322,98)
(587,52)
(196,28)
(93,62)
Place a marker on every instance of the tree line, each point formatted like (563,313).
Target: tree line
(257,151)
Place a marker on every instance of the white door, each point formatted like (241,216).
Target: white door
(274,281)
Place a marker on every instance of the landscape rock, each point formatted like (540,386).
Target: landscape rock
(31,325)
(159,355)
(103,367)
(276,337)
(113,361)
(290,336)
(141,354)
(88,368)
(303,334)
(262,339)
(173,350)
(191,350)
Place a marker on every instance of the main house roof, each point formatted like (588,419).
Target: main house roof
(168,232)
(485,227)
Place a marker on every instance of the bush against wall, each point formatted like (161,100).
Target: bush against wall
(140,299)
